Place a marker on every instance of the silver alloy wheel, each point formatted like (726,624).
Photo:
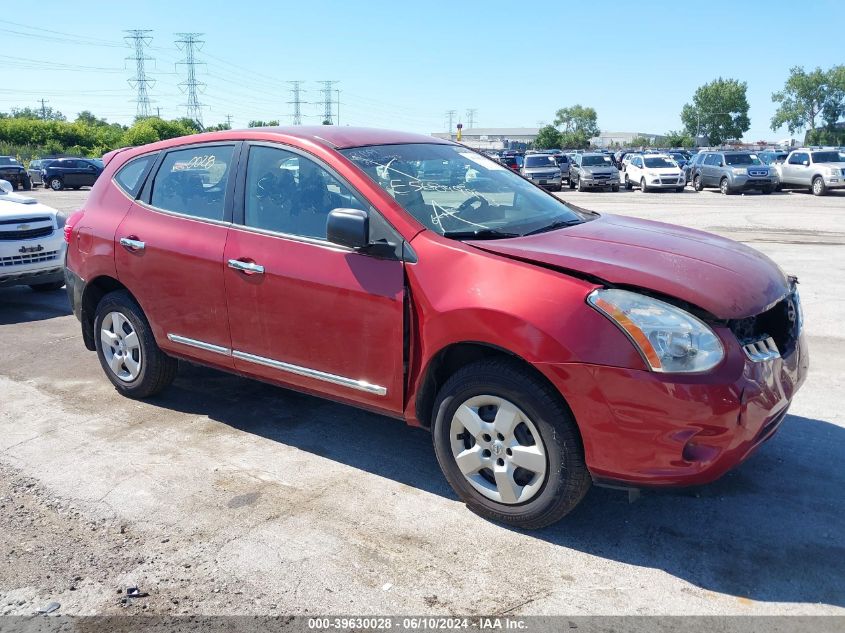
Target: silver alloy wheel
(723,186)
(498,449)
(121,347)
(818,186)
(55,184)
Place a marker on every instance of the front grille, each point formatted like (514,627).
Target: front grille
(843,172)
(779,325)
(670,181)
(29,234)
(25,220)
(601,176)
(28,258)
(758,173)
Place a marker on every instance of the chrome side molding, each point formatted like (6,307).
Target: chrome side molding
(343,381)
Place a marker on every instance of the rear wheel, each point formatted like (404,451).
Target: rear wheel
(508,445)
(696,183)
(128,352)
(819,188)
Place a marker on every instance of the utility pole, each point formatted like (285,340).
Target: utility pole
(471,117)
(44,108)
(190,43)
(297,101)
(158,112)
(337,93)
(450,114)
(327,101)
(139,39)
(229,121)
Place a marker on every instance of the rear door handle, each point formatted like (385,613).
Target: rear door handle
(132,244)
(249,268)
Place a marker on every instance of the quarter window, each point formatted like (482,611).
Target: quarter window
(129,176)
(288,193)
(193,181)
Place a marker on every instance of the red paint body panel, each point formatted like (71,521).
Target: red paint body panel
(343,313)
(726,278)
(317,307)
(177,278)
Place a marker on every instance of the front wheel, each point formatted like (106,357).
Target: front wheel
(27,183)
(508,445)
(819,188)
(615,188)
(679,189)
(628,185)
(580,185)
(643,186)
(768,190)
(56,184)
(696,184)
(724,187)
(571,184)
(128,352)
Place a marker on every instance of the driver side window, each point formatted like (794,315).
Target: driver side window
(288,193)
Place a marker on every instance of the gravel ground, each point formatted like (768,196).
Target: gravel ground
(225,496)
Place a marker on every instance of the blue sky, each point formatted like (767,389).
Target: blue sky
(402,65)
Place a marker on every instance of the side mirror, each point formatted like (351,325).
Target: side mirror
(806,163)
(348,227)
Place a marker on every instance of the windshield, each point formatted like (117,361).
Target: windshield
(826,157)
(592,161)
(491,201)
(658,162)
(678,156)
(540,161)
(742,159)
(5,160)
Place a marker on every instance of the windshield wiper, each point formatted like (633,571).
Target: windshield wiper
(554,225)
(480,234)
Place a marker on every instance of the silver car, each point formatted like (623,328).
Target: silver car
(542,169)
(34,170)
(593,171)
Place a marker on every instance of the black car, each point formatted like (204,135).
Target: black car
(13,172)
(71,173)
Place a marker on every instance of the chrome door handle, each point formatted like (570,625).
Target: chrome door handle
(132,244)
(246,267)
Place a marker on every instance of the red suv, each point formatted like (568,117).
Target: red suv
(545,347)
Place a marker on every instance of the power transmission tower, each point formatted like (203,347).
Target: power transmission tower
(450,114)
(229,121)
(471,117)
(44,108)
(190,43)
(140,40)
(337,92)
(297,101)
(327,101)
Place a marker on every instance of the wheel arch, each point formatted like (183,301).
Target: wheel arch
(453,357)
(93,292)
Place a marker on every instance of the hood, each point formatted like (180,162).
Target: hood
(13,206)
(663,170)
(727,279)
(598,168)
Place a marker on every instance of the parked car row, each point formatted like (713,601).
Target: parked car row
(55,173)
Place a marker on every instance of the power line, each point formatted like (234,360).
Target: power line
(297,101)
(327,100)
(140,40)
(471,117)
(190,43)
(450,114)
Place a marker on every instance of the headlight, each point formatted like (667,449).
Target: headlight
(738,171)
(670,340)
(834,171)
(61,219)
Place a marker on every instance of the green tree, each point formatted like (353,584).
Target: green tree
(676,138)
(578,119)
(48,114)
(260,123)
(808,98)
(87,117)
(574,140)
(639,141)
(548,138)
(719,110)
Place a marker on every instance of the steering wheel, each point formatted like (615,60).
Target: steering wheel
(470,202)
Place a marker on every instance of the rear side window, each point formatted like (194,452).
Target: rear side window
(129,177)
(193,181)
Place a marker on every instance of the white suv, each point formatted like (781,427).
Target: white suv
(654,171)
(32,246)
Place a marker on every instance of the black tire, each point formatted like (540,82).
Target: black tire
(628,184)
(643,186)
(48,287)
(768,190)
(567,478)
(580,186)
(679,189)
(157,368)
(725,187)
(696,183)
(571,184)
(56,183)
(818,187)
(615,188)
(27,183)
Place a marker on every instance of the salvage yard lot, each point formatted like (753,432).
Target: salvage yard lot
(224,495)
